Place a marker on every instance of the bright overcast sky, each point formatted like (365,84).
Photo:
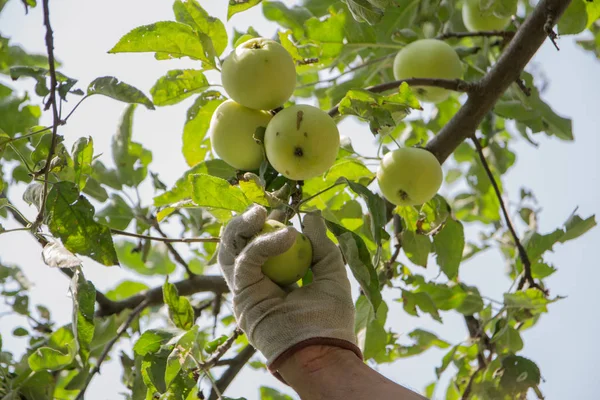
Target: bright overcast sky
(562,175)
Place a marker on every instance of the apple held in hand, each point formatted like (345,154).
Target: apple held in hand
(409,176)
(231,131)
(259,74)
(292,265)
(476,19)
(302,142)
(428,58)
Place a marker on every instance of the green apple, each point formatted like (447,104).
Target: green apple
(302,142)
(428,58)
(409,176)
(259,74)
(292,265)
(477,20)
(231,131)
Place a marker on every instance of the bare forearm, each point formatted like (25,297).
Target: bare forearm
(322,372)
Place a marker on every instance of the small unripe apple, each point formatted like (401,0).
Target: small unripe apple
(302,142)
(259,74)
(477,20)
(231,131)
(292,265)
(428,58)
(409,176)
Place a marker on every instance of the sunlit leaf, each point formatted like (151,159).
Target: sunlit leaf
(449,244)
(210,191)
(237,6)
(71,218)
(112,87)
(180,309)
(84,301)
(196,126)
(178,85)
(190,12)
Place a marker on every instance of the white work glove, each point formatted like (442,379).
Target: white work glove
(280,322)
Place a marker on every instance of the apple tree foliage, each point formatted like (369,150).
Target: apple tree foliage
(79,202)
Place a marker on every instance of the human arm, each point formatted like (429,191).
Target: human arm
(333,373)
(291,325)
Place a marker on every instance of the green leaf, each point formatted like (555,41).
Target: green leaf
(83,154)
(530,299)
(180,309)
(449,244)
(358,258)
(71,218)
(575,227)
(540,270)
(237,6)
(130,158)
(416,247)
(267,393)
(421,300)
(254,192)
(46,358)
(196,126)
(125,290)
(39,385)
(191,13)
(117,214)
(211,346)
(507,339)
(328,33)
(121,91)
(153,370)
(182,190)
(383,112)
(290,18)
(519,374)
(177,85)
(108,177)
(151,340)
(574,20)
(363,11)
(156,263)
(168,39)
(376,206)
(179,355)
(423,341)
(17,116)
(210,191)
(37,73)
(20,332)
(369,327)
(21,304)
(432,215)
(84,301)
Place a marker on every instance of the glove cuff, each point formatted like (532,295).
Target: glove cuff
(315,341)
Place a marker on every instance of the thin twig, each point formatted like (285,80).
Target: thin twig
(237,363)
(348,71)
(527,277)
(174,251)
(186,287)
(52,102)
(456,85)
(110,345)
(459,35)
(166,239)
(320,192)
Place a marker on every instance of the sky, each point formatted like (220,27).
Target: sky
(562,175)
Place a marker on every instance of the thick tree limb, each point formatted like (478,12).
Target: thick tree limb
(237,363)
(528,39)
(186,287)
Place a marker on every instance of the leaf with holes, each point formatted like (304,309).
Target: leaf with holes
(111,87)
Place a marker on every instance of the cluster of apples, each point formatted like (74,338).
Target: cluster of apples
(300,141)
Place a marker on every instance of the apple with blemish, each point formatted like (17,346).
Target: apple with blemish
(259,74)
(232,128)
(291,266)
(302,142)
(409,176)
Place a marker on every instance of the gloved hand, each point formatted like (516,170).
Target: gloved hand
(278,321)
